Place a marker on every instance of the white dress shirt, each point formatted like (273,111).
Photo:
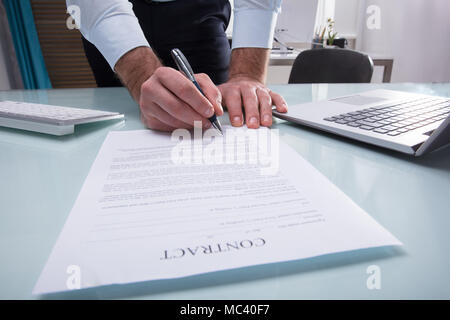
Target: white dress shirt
(114,29)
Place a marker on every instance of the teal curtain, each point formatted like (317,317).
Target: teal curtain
(26,42)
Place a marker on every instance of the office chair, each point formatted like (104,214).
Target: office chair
(331,66)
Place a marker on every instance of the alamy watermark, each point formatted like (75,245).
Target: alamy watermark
(74,20)
(237,146)
(373,21)
(73,280)
(373,281)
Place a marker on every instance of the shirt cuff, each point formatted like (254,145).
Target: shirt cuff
(253,28)
(116,35)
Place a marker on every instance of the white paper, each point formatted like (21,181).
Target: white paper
(140,216)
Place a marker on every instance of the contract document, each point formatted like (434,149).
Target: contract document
(155,206)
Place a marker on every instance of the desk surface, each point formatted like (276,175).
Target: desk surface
(40,177)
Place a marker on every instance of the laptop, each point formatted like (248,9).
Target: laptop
(410,123)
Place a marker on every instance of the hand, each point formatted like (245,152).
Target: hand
(256,99)
(168,100)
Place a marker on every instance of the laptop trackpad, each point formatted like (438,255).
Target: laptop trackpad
(358,100)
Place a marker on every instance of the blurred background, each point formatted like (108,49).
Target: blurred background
(407,39)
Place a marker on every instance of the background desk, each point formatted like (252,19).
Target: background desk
(40,177)
(287,59)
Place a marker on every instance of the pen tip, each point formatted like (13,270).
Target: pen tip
(216,124)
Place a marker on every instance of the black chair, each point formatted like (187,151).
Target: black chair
(331,66)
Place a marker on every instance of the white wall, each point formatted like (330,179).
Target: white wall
(415,33)
(346,17)
(298,18)
(229,30)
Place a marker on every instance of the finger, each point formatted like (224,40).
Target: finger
(159,113)
(265,107)
(250,100)
(185,90)
(279,102)
(233,101)
(171,110)
(211,92)
(155,124)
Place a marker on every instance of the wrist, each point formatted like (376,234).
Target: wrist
(135,67)
(244,77)
(249,64)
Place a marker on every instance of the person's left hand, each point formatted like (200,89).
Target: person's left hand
(244,93)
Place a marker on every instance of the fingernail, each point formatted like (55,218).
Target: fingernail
(237,120)
(253,121)
(209,113)
(267,118)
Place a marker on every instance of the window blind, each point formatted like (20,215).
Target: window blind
(62,48)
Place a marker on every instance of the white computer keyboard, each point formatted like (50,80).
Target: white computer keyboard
(47,118)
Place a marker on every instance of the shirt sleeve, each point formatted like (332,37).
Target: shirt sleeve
(110,25)
(254,23)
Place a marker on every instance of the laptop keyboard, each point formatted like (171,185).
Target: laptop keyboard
(396,118)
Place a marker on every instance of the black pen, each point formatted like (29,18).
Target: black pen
(185,67)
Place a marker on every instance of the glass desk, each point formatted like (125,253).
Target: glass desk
(40,177)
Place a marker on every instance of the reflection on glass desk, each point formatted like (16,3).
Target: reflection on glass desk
(41,176)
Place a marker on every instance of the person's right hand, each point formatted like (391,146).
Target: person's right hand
(168,100)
